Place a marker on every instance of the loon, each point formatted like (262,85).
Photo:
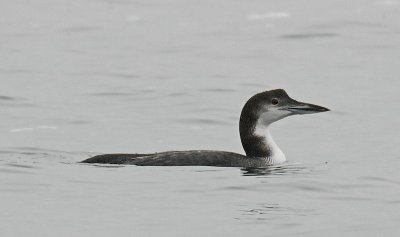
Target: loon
(259,112)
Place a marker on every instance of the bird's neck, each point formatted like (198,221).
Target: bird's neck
(276,155)
(257,142)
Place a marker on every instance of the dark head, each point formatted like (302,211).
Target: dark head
(265,108)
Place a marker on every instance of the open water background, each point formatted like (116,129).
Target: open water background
(80,78)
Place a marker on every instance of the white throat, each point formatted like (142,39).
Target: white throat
(277,156)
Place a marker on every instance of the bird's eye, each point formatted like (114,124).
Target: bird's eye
(274,101)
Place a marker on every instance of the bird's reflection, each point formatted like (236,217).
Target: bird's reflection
(276,170)
(271,212)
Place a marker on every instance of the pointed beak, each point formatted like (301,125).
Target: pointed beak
(304,108)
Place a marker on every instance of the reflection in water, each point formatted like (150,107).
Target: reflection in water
(276,170)
(272,211)
(267,208)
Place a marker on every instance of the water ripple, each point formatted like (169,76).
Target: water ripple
(21,166)
(3,97)
(272,211)
(122,75)
(381,180)
(80,29)
(301,36)
(13,171)
(219,90)
(10,101)
(14,70)
(110,94)
(278,170)
(201,121)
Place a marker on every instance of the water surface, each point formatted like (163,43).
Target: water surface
(79,79)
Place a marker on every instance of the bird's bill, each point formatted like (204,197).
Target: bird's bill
(304,108)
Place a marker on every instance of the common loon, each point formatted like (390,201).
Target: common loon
(259,112)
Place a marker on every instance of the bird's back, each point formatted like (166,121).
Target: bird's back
(181,158)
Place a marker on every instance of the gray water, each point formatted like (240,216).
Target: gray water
(80,78)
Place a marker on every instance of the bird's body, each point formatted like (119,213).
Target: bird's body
(257,115)
(183,158)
